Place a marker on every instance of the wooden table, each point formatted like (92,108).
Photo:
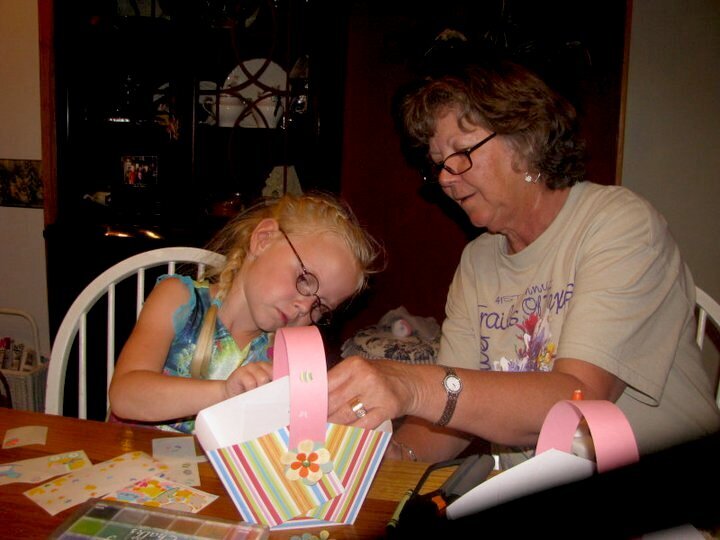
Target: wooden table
(22,518)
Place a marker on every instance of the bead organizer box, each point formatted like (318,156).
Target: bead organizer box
(124,521)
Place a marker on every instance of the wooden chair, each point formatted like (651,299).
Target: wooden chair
(707,308)
(73,334)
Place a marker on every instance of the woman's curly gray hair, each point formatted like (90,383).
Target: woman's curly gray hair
(511,101)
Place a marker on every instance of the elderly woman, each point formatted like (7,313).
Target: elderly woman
(573,286)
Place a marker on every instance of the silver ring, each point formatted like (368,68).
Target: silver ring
(358,408)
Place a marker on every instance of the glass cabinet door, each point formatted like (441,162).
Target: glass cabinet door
(191,110)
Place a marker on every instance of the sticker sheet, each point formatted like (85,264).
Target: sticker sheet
(160,492)
(71,489)
(178,453)
(24,436)
(40,469)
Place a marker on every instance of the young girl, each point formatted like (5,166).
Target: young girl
(290,262)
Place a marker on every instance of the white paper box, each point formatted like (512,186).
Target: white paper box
(245,416)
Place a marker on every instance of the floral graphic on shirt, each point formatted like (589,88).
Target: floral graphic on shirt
(536,353)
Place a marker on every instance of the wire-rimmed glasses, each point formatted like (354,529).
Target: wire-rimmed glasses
(307,284)
(457,163)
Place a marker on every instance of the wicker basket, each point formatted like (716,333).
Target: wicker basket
(27,388)
(27,381)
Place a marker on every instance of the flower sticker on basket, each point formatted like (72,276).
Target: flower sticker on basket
(309,463)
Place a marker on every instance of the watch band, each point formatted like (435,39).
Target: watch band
(452,396)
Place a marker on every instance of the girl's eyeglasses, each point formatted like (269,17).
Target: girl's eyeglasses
(307,284)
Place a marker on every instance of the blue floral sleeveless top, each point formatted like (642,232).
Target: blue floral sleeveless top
(226,355)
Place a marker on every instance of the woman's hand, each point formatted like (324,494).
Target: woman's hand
(384,388)
(248,377)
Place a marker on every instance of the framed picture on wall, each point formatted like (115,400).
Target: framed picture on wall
(139,171)
(20,183)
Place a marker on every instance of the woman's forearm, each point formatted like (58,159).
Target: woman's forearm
(502,407)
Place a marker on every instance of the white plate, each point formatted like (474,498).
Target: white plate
(273,79)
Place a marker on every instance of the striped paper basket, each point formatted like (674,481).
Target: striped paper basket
(282,463)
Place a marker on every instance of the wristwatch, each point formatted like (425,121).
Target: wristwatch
(453,387)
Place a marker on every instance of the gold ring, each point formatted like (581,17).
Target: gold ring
(358,408)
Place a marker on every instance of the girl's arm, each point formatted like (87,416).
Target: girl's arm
(140,391)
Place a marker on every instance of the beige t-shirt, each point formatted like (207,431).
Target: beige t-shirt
(605,283)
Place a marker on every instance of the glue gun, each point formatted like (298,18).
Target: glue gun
(422,513)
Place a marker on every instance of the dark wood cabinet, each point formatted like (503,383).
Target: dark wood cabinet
(141,88)
(136,159)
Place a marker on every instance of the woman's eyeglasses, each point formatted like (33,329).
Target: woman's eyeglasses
(457,163)
(307,284)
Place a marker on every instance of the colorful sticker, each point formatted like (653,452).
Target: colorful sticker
(159,492)
(96,481)
(40,469)
(24,436)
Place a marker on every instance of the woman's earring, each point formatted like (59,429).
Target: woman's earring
(529,178)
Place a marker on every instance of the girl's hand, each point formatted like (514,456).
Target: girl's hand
(248,377)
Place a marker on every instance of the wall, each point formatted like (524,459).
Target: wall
(421,242)
(22,272)
(673,128)
(672,133)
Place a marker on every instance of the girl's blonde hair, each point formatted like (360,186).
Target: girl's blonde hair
(299,214)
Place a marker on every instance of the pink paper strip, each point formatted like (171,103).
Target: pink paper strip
(299,353)
(613,438)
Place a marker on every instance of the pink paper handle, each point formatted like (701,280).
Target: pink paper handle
(299,353)
(613,438)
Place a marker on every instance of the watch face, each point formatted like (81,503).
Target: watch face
(452,383)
